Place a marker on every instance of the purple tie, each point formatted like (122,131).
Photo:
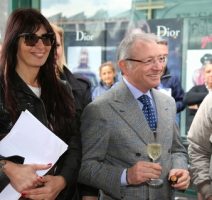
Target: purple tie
(148,111)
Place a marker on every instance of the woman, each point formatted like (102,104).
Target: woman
(107,74)
(29,81)
(81,89)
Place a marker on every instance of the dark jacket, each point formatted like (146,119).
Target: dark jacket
(195,95)
(177,92)
(81,89)
(69,163)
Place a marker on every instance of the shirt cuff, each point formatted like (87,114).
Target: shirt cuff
(124,178)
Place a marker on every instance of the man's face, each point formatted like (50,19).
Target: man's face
(164,50)
(145,74)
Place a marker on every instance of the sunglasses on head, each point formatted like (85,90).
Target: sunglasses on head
(31,39)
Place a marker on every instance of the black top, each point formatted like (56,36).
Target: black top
(68,164)
(81,89)
(196,95)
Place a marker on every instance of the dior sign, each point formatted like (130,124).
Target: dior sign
(83,36)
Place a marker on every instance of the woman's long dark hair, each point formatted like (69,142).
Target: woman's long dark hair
(59,104)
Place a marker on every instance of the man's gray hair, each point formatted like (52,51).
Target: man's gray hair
(124,49)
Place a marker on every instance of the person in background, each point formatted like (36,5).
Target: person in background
(170,84)
(194,97)
(107,74)
(28,81)
(197,93)
(115,130)
(81,89)
(200,149)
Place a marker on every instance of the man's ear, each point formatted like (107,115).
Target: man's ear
(123,66)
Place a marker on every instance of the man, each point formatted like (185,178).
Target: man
(170,82)
(115,131)
(200,149)
(193,98)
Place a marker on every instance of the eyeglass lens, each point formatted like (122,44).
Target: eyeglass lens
(31,39)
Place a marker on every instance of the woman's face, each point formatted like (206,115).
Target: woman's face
(32,56)
(107,75)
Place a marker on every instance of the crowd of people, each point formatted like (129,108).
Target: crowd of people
(107,129)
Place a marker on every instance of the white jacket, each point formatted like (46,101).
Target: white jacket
(200,147)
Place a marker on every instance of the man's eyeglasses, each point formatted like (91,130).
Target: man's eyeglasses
(31,39)
(150,61)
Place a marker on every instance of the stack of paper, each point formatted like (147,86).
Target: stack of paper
(30,139)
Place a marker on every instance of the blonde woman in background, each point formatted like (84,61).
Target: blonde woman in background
(81,89)
(80,86)
(107,74)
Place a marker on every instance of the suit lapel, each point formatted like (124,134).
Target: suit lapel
(127,107)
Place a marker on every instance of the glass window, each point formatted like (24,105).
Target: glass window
(4,5)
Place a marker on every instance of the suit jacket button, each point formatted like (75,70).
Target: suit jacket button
(138,154)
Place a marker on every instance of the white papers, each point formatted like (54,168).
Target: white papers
(30,139)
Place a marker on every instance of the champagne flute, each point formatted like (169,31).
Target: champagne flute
(154,152)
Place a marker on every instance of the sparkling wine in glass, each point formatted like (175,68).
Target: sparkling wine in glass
(154,152)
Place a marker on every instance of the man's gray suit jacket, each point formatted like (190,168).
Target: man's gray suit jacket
(115,135)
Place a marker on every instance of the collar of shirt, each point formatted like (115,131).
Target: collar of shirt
(135,91)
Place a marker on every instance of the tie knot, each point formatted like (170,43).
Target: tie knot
(145,100)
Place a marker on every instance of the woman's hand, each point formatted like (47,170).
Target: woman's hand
(53,185)
(23,177)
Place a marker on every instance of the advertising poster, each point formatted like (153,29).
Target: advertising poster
(84,48)
(94,44)
(199,45)
(172,31)
(85,61)
(199,52)
(200,33)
